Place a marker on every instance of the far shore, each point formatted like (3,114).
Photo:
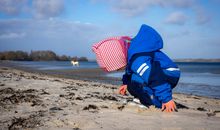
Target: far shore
(198,60)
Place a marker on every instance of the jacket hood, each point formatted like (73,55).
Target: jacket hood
(147,40)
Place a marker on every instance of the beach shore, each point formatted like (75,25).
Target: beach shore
(38,101)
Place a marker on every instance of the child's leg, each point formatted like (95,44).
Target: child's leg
(144,94)
(153,98)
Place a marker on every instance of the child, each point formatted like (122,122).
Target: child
(150,75)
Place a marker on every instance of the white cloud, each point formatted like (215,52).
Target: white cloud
(202,16)
(178,18)
(12,7)
(133,8)
(176,3)
(137,7)
(63,37)
(37,9)
(47,8)
(12,35)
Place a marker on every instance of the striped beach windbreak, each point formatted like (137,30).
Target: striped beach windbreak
(111,53)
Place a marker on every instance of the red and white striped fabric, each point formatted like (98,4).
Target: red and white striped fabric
(111,53)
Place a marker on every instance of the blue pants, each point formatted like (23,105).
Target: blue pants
(144,94)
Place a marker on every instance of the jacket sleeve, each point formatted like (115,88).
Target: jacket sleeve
(163,92)
(125,79)
(142,67)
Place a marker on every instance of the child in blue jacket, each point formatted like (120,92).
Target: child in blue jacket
(150,75)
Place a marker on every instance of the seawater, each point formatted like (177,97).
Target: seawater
(55,65)
(201,79)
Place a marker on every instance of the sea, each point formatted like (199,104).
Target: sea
(201,79)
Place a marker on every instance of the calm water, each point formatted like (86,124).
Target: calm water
(56,65)
(196,78)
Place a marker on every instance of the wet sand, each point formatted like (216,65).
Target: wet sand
(38,101)
(94,74)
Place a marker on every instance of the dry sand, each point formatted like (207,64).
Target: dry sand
(36,101)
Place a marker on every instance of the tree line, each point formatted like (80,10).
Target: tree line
(37,56)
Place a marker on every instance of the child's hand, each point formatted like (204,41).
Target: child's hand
(169,106)
(123,89)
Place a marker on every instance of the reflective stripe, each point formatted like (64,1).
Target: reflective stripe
(144,69)
(172,69)
(141,67)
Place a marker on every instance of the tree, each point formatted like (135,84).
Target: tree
(2,56)
(43,55)
(82,59)
(20,55)
(10,55)
(37,56)
(63,58)
(75,58)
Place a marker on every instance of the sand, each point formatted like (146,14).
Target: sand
(38,101)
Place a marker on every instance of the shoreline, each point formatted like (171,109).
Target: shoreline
(94,74)
(97,75)
(38,101)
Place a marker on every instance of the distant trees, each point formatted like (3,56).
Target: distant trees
(37,56)
(14,55)
(82,59)
(43,56)
(64,58)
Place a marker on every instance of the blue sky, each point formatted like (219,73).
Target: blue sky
(189,28)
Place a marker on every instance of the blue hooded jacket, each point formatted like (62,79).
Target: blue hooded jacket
(147,40)
(150,67)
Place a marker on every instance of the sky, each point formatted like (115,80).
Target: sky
(189,28)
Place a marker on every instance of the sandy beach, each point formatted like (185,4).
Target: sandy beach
(38,101)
